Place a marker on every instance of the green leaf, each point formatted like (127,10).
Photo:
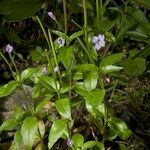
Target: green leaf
(144,53)
(27,73)
(76,34)
(18,140)
(137,34)
(90,80)
(123,147)
(128,24)
(95,97)
(78,140)
(135,67)
(14,37)
(49,83)
(67,58)
(18,113)
(61,34)
(110,36)
(8,124)
(79,87)
(86,67)
(144,3)
(42,128)
(101,146)
(36,90)
(89,144)
(57,130)
(94,101)
(111,68)
(63,107)
(29,131)
(7,89)
(138,14)
(119,127)
(43,102)
(112,135)
(112,59)
(19,9)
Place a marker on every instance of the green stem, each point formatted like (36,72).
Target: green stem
(106,50)
(44,31)
(8,65)
(85,23)
(84,48)
(76,24)
(65,15)
(70,83)
(12,60)
(59,26)
(101,10)
(52,47)
(97,13)
(55,59)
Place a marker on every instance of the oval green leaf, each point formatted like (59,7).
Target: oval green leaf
(119,127)
(29,131)
(63,107)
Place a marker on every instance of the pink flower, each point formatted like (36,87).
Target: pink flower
(69,142)
(99,41)
(9,48)
(60,41)
(44,70)
(51,15)
(56,69)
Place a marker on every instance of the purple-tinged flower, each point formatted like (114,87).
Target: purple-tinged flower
(51,15)
(69,142)
(99,41)
(9,48)
(60,41)
(56,69)
(44,70)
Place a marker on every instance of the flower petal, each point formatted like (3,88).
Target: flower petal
(95,39)
(60,41)
(101,37)
(56,69)
(51,15)
(98,46)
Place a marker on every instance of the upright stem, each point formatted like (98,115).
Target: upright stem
(84,48)
(8,65)
(101,10)
(85,23)
(65,15)
(12,60)
(53,51)
(97,13)
(44,31)
(52,47)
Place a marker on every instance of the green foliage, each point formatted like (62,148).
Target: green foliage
(8,88)
(57,130)
(19,9)
(135,67)
(29,131)
(119,127)
(63,107)
(79,81)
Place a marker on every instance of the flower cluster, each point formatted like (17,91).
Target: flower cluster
(99,41)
